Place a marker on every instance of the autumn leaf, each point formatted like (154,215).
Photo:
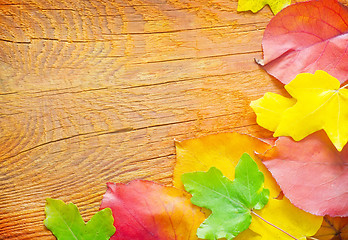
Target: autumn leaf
(321,104)
(145,210)
(311,173)
(333,229)
(231,202)
(270,116)
(257,5)
(285,216)
(66,223)
(220,151)
(306,37)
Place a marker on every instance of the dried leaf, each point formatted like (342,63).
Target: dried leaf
(333,229)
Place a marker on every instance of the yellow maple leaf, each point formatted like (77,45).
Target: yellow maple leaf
(318,103)
(257,5)
(223,151)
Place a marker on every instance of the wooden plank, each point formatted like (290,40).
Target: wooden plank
(96,91)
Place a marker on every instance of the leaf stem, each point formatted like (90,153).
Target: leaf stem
(257,215)
(345,86)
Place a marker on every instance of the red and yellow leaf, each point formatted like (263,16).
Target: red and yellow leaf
(145,210)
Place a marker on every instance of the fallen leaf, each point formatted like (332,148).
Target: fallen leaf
(257,5)
(311,173)
(269,117)
(222,151)
(145,210)
(321,104)
(333,229)
(286,216)
(306,37)
(233,205)
(66,223)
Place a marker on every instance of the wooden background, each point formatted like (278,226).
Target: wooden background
(93,91)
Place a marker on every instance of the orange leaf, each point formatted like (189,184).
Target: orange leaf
(333,229)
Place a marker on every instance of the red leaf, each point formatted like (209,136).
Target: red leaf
(145,210)
(312,173)
(306,37)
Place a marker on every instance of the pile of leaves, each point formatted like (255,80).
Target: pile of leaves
(235,186)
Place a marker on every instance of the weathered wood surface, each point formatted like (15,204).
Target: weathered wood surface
(95,90)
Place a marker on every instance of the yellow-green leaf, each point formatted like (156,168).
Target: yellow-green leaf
(320,104)
(257,5)
(66,223)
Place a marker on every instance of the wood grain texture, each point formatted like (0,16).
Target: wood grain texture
(96,90)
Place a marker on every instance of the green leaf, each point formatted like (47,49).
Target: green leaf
(66,223)
(231,202)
